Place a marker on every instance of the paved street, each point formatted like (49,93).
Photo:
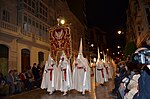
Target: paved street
(100,92)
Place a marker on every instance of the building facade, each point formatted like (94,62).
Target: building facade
(24,35)
(97,39)
(78,8)
(138,21)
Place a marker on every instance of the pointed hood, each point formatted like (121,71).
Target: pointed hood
(50,60)
(98,56)
(80,54)
(80,48)
(104,56)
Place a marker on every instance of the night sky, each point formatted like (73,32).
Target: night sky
(109,15)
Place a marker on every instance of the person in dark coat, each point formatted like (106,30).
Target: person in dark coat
(144,80)
(144,85)
(35,72)
(120,74)
(36,75)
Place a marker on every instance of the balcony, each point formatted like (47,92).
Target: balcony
(9,29)
(13,30)
(33,34)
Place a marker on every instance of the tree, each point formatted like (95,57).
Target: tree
(130,48)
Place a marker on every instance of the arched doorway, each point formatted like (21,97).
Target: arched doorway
(41,58)
(4,52)
(25,59)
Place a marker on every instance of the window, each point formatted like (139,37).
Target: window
(43,14)
(33,23)
(147,11)
(5,15)
(33,4)
(37,25)
(25,19)
(30,5)
(25,1)
(27,22)
(25,27)
(139,28)
(139,33)
(25,6)
(29,2)
(148,15)
(40,27)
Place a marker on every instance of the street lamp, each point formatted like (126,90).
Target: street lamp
(118,47)
(120,32)
(60,20)
(94,59)
(92,45)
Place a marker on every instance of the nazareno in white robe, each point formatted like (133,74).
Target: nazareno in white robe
(100,72)
(64,77)
(81,75)
(49,77)
(107,64)
(105,72)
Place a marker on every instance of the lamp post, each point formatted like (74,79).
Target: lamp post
(119,32)
(91,48)
(95,68)
(60,21)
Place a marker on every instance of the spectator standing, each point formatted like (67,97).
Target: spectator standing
(35,72)
(28,73)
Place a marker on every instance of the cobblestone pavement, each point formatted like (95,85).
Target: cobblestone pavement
(98,92)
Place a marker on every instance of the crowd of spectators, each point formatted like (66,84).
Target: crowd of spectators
(15,82)
(133,75)
(126,80)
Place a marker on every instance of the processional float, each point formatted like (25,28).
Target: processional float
(60,40)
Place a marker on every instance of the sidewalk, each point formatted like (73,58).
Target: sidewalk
(98,92)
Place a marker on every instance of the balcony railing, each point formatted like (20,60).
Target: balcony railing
(35,34)
(9,28)
(31,34)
